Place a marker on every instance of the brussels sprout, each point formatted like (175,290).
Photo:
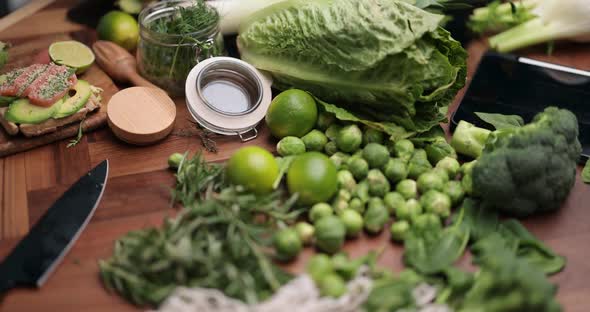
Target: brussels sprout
(376,155)
(418,164)
(413,209)
(362,191)
(353,222)
(332,285)
(344,195)
(399,230)
(315,140)
(358,153)
(346,181)
(376,216)
(319,266)
(329,234)
(305,232)
(467,167)
(339,159)
(427,222)
(438,150)
(430,181)
(403,149)
(358,167)
(174,160)
(339,205)
(455,191)
(450,165)
(287,244)
(332,131)
(372,136)
(290,145)
(467,184)
(330,148)
(378,184)
(357,205)
(395,170)
(375,201)
(393,200)
(443,174)
(320,210)
(325,120)
(436,202)
(407,188)
(349,138)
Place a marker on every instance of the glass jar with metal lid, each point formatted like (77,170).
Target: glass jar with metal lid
(228,96)
(164,56)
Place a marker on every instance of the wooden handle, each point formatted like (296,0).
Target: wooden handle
(139,81)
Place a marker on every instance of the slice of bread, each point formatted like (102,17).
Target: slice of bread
(50,125)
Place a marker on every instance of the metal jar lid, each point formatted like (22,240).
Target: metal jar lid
(228,96)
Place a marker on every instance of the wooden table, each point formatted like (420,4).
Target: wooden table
(137,196)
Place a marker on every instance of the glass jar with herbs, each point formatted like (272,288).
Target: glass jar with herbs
(175,35)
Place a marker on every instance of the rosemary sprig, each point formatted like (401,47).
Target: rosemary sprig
(78,138)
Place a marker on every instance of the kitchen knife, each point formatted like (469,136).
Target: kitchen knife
(34,258)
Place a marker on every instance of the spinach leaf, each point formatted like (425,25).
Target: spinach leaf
(434,251)
(586,172)
(500,121)
(393,293)
(477,220)
(533,250)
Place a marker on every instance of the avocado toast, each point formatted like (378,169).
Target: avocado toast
(40,99)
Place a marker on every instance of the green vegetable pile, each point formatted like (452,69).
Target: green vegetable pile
(523,170)
(216,241)
(383,62)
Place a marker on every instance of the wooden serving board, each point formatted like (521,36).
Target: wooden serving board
(35,51)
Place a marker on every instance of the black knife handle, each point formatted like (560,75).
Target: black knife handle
(6,285)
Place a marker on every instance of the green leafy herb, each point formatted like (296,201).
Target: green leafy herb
(500,121)
(186,37)
(586,172)
(217,241)
(434,251)
(75,141)
(477,220)
(284,164)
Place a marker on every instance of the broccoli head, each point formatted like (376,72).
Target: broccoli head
(530,169)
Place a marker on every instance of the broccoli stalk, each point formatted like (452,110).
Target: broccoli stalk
(469,140)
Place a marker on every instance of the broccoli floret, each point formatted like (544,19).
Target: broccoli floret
(530,169)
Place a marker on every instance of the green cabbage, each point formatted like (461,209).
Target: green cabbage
(384,62)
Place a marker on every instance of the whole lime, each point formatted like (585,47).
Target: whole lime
(292,113)
(120,28)
(287,244)
(313,176)
(254,168)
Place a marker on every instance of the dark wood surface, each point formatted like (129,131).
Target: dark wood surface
(137,196)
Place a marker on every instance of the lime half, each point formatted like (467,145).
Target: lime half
(73,54)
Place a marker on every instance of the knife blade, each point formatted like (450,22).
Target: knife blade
(37,255)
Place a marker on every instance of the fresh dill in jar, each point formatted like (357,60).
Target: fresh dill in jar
(175,36)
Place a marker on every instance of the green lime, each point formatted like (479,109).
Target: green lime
(72,54)
(120,28)
(254,168)
(314,177)
(292,113)
(131,6)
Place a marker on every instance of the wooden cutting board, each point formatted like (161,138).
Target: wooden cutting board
(35,51)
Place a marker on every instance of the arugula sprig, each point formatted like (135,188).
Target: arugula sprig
(78,138)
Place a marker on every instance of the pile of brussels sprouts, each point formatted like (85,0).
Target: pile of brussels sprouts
(379,180)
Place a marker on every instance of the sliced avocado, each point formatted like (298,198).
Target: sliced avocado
(22,111)
(5,100)
(77,101)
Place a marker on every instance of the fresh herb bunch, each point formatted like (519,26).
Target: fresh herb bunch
(181,40)
(218,241)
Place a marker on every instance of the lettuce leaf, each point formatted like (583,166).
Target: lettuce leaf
(382,61)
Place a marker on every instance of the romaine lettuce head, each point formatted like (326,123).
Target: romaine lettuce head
(383,61)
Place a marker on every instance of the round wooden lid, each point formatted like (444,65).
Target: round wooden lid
(141,115)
